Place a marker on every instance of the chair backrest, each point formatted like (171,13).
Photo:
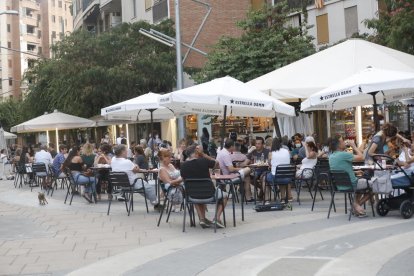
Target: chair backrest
(119,179)
(285,173)
(199,188)
(341,182)
(322,166)
(39,168)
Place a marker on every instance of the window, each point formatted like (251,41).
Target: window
(53,18)
(40,50)
(39,34)
(9,44)
(28,12)
(257,4)
(39,17)
(10,63)
(10,81)
(134,8)
(148,4)
(8,28)
(66,22)
(322,29)
(31,47)
(53,34)
(53,3)
(59,4)
(30,29)
(351,21)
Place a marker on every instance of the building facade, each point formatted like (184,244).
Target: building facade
(28,36)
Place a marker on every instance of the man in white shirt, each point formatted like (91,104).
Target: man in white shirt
(43,156)
(120,163)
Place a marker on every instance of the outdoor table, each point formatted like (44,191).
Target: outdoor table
(228,180)
(371,167)
(253,168)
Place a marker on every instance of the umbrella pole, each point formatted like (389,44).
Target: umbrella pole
(223,128)
(375,108)
(277,127)
(152,134)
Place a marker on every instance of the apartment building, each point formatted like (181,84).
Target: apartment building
(28,36)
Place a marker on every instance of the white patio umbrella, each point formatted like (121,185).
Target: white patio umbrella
(53,121)
(366,87)
(309,75)
(223,95)
(143,108)
(9,136)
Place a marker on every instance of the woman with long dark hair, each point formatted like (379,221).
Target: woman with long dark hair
(205,139)
(75,164)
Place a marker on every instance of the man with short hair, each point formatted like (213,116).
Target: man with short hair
(302,150)
(197,165)
(120,163)
(42,156)
(255,156)
(226,166)
(59,160)
(342,161)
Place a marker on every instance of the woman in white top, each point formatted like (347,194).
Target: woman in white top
(309,162)
(170,177)
(278,156)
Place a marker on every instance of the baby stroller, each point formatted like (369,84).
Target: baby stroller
(404,202)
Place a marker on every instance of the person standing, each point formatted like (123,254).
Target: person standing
(3,160)
(205,139)
(121,136)
(106,139)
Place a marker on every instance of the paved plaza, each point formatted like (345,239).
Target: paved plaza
(80,239)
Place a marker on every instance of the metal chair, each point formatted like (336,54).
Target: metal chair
(341,183)
(285,174)
(321,174)
(19,175)
(307,180)
(167,204)
(120,184)
(201,191)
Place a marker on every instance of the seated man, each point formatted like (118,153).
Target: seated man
(120,163)
(406,161)
(59,160)
(226,166)
(260,152)
(197,165)
(43,156)
(342,161)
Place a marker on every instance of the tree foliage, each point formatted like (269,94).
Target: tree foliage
(268,42)
(89,72)
(395,26)
(11,113)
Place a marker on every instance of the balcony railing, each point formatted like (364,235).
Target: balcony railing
(298,4)
(159,11)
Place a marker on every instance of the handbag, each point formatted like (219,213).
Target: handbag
(381,182)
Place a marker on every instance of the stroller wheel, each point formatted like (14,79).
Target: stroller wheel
(382,208)
(406,209)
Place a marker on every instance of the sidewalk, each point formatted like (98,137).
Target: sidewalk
(57,239)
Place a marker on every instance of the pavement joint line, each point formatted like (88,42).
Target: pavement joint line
(396,244)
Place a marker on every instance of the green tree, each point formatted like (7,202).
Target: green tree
(268,42)
(394,27)
(10,113)
(92,71)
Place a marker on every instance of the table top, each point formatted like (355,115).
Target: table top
(225,177)
(371,167)
(258,165)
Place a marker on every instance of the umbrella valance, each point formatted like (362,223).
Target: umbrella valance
(9,136)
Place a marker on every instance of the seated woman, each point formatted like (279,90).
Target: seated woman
(279,156)
(170,176)
(104,156)
(139,158)
(309,162)
(406,161)
(75,164)
(88,157)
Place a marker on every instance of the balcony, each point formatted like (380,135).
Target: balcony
(298,4)
(159,11)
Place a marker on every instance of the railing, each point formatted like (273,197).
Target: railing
(298,4)
(159,11)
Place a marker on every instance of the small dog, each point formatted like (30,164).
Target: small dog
(42,199)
